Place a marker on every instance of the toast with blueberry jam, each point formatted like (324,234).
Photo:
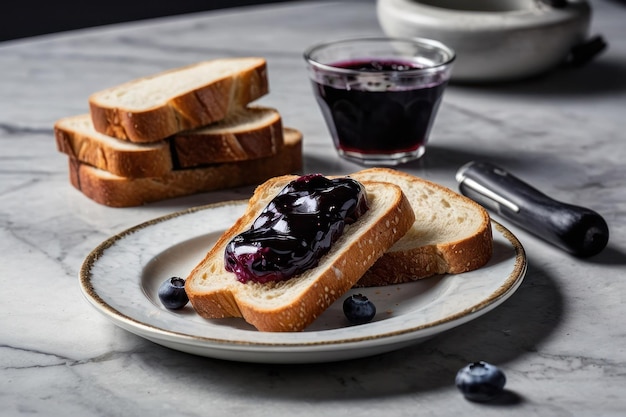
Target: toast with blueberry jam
(290,302)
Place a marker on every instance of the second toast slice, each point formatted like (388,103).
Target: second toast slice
(451,233)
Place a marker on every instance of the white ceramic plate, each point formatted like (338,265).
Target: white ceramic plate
(120,279)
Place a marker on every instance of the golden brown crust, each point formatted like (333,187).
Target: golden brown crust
(468,252)
(350,259)
(196,108)
(116,191)
(145,161)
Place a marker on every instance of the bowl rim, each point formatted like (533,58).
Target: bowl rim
(537,16)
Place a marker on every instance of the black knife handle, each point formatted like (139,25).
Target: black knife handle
(577,230)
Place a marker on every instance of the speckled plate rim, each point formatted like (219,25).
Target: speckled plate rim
(316,346)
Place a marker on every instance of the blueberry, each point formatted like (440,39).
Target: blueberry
(359,309)
(172,293)
(480,381)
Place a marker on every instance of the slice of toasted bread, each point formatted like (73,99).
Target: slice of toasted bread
(249,133)
(293,304)
(76,137)
(451,233)
(152,108)
(116,191)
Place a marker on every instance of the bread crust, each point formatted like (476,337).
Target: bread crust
(468,251)
(464,255)
(152,160)
(358,248)
(189,110)
(115,191)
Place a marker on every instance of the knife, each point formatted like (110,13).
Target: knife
(577,230)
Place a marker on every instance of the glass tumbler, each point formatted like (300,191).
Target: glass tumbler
(379,96)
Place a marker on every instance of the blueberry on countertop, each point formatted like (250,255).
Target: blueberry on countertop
(359,309)
(172,293)
(480,381)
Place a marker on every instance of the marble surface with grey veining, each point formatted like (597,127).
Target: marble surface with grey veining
(560,338)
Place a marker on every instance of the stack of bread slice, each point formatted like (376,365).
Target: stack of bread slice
(188,130)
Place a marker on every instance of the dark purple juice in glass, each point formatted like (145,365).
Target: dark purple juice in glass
(388,117)
(379,96)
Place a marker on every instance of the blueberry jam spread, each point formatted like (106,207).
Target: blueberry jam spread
(295,229)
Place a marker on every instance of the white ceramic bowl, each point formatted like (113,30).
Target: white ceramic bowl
(495,40)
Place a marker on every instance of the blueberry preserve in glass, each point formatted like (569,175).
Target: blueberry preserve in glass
(379,96)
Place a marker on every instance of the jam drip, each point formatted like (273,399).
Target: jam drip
(295,229)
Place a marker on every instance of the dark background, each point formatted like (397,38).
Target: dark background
(25,18)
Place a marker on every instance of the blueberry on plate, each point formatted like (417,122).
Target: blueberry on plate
(480,381)
(172,293)
(359,309)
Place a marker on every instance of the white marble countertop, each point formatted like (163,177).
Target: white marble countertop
(560,338)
